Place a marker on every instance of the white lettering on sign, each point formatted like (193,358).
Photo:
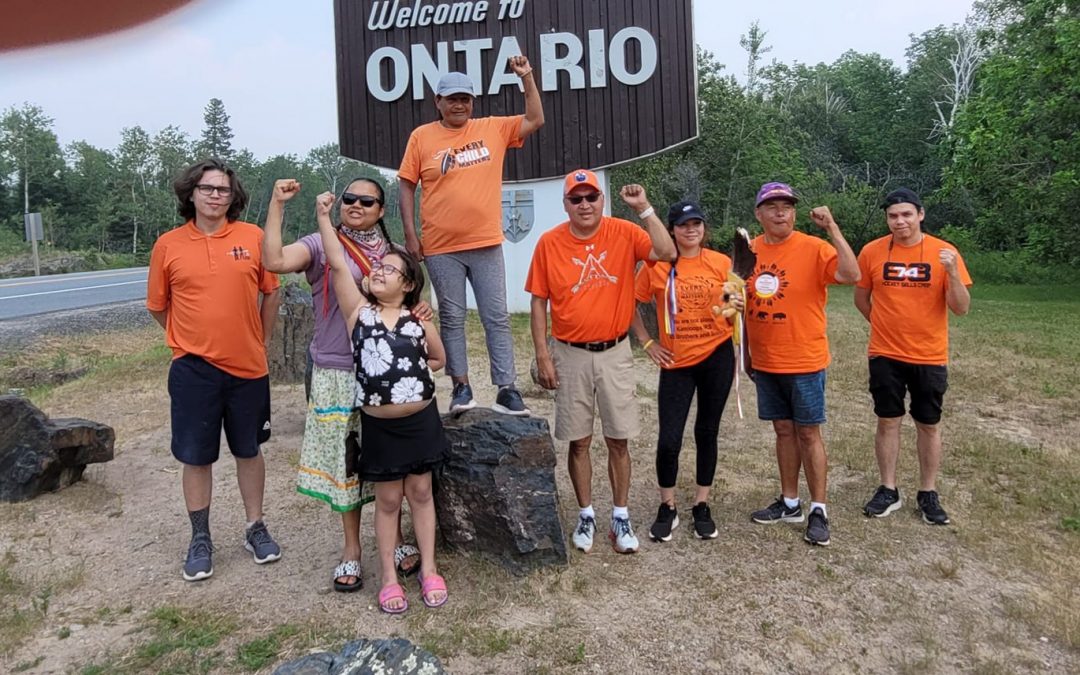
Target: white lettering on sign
(558,52)
(386,14)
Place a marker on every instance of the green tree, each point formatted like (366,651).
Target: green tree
(31,150)
(135,164)
(92,211)
(217,135)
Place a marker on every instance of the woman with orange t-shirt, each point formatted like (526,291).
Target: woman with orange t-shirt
(694,354)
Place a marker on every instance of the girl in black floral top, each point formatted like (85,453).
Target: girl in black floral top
(401,432)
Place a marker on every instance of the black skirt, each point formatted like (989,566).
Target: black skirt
(391,449)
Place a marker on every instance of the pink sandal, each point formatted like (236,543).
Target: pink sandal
(393,592)
(431,584)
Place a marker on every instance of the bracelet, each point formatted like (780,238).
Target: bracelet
(646,213)
(522,75)
(647,343)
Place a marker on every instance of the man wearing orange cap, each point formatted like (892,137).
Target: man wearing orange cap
(584,269)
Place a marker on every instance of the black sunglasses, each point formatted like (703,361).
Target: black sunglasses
(348,199)
(591,198)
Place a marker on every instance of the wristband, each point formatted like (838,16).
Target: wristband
(647,343)
(522,76)
(646,213)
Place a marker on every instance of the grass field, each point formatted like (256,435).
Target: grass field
(996,592)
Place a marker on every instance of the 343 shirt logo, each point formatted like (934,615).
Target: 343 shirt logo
(898,271)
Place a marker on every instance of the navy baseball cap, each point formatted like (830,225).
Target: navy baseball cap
(902,196)
(681,212)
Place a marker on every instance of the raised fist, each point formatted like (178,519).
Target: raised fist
(285,189)
(323,203)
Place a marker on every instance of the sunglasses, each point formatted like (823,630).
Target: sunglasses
(348,199)
(577,199)
(386,268)
(207,190)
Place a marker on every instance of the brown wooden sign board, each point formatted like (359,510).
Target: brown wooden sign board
(618,78)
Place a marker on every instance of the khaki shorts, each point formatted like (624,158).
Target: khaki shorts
(589,381)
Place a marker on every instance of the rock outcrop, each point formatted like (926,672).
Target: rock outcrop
(41,455)
(495,495)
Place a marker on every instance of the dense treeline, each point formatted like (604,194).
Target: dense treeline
(982,121)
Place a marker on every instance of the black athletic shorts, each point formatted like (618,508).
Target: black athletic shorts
(891,379)
(206,399)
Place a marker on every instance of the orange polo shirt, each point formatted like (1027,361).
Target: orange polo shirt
(210,286)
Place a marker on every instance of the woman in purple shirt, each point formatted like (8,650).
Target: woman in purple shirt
(330,418)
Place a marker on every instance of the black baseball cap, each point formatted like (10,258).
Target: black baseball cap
(902,196)
(681,212)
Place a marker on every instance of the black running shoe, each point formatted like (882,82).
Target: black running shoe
(509,402)
(778,511)
(667,519)
(704,527)
(930,508)
(884,502)
(462,399)
(817,528)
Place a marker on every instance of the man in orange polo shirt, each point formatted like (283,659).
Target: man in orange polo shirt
(584,268)
(785,321)
(910,282)
(204,285)
(458,160)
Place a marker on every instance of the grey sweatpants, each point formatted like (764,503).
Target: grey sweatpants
(485,270)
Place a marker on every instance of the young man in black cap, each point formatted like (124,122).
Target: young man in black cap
(910,281)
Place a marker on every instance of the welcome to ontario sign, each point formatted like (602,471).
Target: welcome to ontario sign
(618,78)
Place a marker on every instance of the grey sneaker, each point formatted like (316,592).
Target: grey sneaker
(776,512)
(817,528)
(509,402)
(884,502)
(583,533)
(622,536)
(462,398)
(200,563)
(257,539)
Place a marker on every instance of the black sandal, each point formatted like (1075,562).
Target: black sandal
(348,568)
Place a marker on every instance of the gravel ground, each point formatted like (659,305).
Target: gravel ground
(17,333)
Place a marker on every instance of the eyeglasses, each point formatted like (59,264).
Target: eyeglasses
(207,190)
(386,268)
(782,208)
(367,201)
(591,198)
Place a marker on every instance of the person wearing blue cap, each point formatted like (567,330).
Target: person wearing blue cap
(458,160)
(785,321)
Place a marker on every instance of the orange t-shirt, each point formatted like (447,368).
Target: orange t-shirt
(699,285)
(785,315)
(460,174)
(210,286)
(589,282)
(909,318)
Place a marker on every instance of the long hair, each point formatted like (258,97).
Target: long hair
(184,187)
(412,272)
(382,202)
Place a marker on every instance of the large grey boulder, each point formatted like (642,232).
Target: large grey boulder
(367,657)
(288,351)
(495,495)
(42,455)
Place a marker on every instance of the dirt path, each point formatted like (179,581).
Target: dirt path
(887,596)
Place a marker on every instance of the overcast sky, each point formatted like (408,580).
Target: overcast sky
(272,63)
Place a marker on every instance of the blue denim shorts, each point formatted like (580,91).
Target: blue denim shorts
(799,397)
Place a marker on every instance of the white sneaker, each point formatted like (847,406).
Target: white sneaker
(583,534)
(622,536)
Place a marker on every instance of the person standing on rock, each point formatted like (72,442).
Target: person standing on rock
(458,161)
(205,280)
(789,346)
(323,472)
(695,357)
(584,270)
(910,282)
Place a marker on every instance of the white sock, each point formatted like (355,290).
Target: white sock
(620,512)
(791,503)
(819,505)
(587,512)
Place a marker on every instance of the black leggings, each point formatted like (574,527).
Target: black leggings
(711,379)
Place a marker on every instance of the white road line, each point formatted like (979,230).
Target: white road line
(54,280)
(71,290)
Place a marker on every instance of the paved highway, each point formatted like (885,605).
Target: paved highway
(27,296)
